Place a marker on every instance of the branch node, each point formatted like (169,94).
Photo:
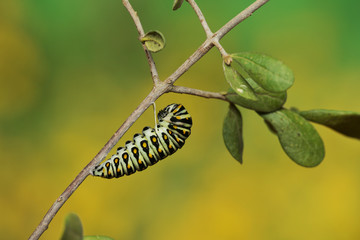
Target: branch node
(228,60)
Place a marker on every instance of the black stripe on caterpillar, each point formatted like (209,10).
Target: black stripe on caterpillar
(152,145)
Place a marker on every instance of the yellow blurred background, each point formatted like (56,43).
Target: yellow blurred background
(72,71)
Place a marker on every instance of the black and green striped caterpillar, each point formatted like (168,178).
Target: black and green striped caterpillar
(152,145)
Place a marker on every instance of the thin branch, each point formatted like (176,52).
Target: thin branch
(239,18)
(209,33)
(201,17)
(152,96)
(159,89)
(224,54)
(199,53)
(136,19)
(209,43)
(197,92)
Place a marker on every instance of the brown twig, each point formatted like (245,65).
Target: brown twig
(159,89)
(239,18)
(201,17)
(197,92)
(136,19)
(208,32)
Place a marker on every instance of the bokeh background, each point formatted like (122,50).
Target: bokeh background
(72,71)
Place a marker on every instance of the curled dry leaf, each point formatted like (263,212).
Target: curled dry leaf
(154,41)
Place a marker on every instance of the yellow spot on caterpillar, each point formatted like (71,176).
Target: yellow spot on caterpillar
(134,150)
(170,132)
(177,139)
(118,170)
(125,156)
(140,162)
(154,139)
(178,117)
(116,160)
(107,165)
(177,109)
(170,146)
(165,137)
(128,166)
(144,145)
(159,150)
(150,155)
(184,131)
(175,127)
(109,173)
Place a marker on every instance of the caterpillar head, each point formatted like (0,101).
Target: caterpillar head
(164,112)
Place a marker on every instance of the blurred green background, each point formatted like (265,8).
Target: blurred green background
(72,71)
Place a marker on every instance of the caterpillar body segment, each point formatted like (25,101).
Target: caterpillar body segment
(152,145)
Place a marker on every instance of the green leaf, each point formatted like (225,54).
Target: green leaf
(97,238)
(266,101)
(345,122)
(270,127)
(271,74)
(73,228)
(232,133)
(154,41)
(177,4)
(238,83)
(297,136)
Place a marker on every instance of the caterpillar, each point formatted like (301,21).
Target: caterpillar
(152,145)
